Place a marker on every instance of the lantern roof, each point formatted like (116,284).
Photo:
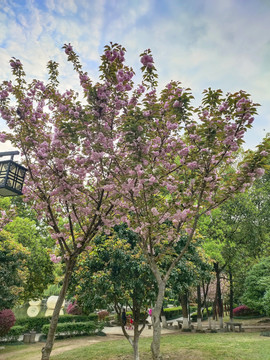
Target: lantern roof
(12,175)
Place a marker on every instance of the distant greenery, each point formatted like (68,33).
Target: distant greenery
(257,287)
(70,329)
(36,323)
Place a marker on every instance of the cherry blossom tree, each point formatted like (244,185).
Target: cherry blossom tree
(68,148)
(177,164)
(126,154)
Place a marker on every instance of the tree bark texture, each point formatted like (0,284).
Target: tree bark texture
(199,310)
(218,295)
(231,295)
(183,297)
(47,349)
(155,346)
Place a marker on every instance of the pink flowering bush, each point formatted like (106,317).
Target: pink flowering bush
(242,310)
(7,320)
(74,309)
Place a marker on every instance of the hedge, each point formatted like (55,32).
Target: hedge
(13,334)
(37,323)
(75,328)
(175,312)
(204,317)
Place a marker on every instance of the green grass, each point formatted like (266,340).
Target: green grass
(222,346)
(242,346)
(10,348)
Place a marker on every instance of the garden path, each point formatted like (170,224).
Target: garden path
(60,346)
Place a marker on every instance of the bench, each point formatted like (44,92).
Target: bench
(232,325)
(169,323)
(179,324)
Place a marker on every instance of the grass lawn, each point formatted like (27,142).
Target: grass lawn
(221,346)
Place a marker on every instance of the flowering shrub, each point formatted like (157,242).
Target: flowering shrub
(7,320)
(242,310)
(102,314)
(74,309)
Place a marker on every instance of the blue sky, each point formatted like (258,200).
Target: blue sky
(202,43)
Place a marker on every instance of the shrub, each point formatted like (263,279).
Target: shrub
(73,329)
(14,333)
(38,322)
(242,310)
(35,323)
(266,302)
(172,313)
(257,283)
(74,309)
(193,316)
(7,320)
(102,314)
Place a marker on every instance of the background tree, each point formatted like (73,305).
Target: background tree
(257,286)
(115,274)
(173,168)
(12,266)
(38,272)
(189,273)
(68,148)
(237,234)
(25,254)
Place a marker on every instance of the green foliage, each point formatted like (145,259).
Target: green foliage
(13,334)
(266,302)
(257,285)
(142,318)
(73,329)
(53,289)
(34,323)
(12,264)
(25,265)
(114,273)
(173,313)
(38,271)
(237,233)
(194,315)
(38,322)
(190,270)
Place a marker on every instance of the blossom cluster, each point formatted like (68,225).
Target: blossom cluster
(128,155)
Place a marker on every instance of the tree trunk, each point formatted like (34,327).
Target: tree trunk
(47,349)
(218,293)
(136,343)
(155,346)
(205,301)
(231,295)
(184,304)
(199,310)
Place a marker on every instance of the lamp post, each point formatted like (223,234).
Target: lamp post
(11,175)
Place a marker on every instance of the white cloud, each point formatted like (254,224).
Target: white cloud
(223,44)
